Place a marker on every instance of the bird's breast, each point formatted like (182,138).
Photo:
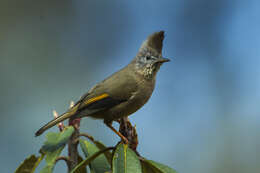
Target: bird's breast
(135,102)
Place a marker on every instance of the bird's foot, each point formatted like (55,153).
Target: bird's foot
(123,138)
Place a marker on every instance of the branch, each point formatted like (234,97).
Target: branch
(72,145)
(129,132)
(73,150)
(87,136)
(66,159)
(61,124)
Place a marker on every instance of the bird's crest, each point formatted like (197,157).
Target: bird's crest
(154,41)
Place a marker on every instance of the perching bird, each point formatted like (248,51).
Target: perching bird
(122,93)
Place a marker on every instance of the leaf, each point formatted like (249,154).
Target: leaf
(51,160)
(54,144)
(158,167)
(29,164)
(125,160)
(57,140)
(146,168)
(101,146)
(89,159)
(108,154)
(82,169)
(100,164)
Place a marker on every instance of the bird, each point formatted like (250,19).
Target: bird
(122,93)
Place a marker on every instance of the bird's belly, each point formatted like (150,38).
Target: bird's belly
(127,108)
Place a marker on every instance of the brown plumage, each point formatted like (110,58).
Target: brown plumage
(122,93)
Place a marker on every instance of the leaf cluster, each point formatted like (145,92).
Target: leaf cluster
(97,157)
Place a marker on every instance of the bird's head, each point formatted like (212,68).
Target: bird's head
(149,58)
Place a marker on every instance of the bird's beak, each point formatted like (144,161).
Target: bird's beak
(163,60)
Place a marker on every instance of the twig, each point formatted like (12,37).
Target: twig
(129,132)
(87,136)
(66,159)
(73,150)
(73,146)
(61,124)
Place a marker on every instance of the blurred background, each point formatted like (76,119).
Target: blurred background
(204,115)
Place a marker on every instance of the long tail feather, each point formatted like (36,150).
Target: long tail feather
(54,122)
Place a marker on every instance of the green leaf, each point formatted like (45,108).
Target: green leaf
(100,164)
(158,167)
(51,160)
(29,164)
(57,140)
(54,144)
(86,162)
(82,169)
(101,146)
(146,168)
(107,154)
(125,160)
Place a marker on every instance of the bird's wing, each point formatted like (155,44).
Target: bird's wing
(98,102)
(109,93)
(94,101)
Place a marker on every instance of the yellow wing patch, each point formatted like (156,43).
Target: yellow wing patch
(94,99)
(74,109)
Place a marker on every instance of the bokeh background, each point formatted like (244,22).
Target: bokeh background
(204,115)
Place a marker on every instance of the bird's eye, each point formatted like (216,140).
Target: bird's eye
(148,57)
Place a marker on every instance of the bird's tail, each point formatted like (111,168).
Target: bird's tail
(54,122)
